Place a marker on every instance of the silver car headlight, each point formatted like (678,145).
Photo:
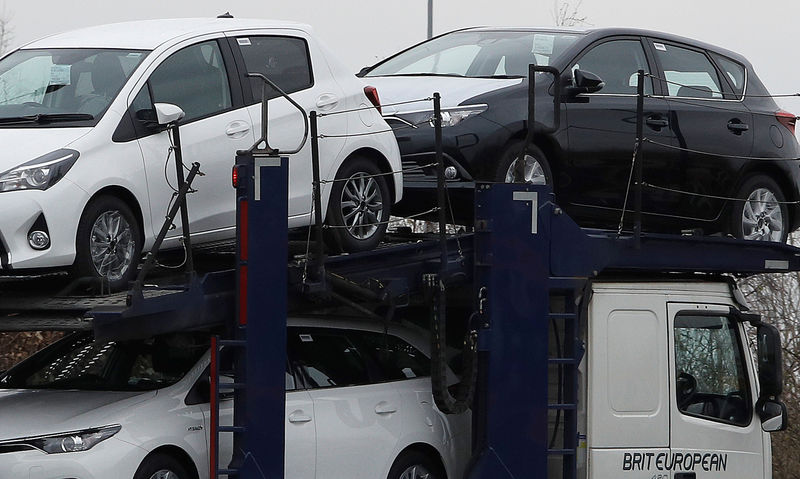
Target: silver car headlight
(450,116)
(67,442)
(39,174)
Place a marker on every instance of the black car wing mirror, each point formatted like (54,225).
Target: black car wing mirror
(585,82)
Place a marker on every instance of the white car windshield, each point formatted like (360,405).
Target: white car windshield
(79,362)
(62,85)
(478,54)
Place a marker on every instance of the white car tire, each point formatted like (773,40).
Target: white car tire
(161,466)
(108,245)
(359,207)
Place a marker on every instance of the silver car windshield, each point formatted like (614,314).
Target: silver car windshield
(479,54)
(69,84)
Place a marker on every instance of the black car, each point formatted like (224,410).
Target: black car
(712,132)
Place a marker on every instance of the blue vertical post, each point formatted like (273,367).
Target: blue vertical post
(262,247)
(512,263)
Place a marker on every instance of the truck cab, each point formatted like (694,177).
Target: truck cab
(670,387)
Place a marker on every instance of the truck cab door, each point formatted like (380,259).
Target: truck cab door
(713,430)
(628,385)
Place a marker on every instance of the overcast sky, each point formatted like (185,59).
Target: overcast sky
(363,31)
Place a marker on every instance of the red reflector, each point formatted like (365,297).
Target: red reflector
(244,227)
(243,295)
(372,95)
(786,119)
(235,177)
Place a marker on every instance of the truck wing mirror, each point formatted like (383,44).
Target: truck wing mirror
(773,415)
(770,360)
(585,82)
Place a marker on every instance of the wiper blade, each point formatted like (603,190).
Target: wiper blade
(46,118)
(424,74)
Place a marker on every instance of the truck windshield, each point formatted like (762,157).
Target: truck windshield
(79,362)
(59,83)
(479,54)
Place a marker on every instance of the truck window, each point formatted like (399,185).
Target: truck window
(710,372)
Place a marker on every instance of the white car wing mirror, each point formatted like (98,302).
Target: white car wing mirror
(168,114)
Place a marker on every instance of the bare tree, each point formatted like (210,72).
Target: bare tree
(777,298)
(566,13)
(6,32)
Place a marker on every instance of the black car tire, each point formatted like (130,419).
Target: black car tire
(405,464)
(360,195)
(155,466)
(764,187)
(511,153)
(124,241)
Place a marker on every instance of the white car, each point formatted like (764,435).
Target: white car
(358,405)
(86,176)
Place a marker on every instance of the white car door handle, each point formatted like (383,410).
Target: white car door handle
(299,416)
(327,101)
(237,129)
(384,407)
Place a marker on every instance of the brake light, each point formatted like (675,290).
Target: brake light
(786,119)
(372,95)
(235,176)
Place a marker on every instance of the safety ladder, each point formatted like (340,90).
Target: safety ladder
(566,352)
(217,387)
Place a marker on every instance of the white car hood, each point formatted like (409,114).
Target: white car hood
(32,412)
(454,90)
(25,144)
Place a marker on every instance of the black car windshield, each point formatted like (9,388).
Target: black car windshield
(79,362)
(479,54)
(54,85)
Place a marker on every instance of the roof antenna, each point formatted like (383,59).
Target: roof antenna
(225,15)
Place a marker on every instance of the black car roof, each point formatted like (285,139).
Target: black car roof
(592,34)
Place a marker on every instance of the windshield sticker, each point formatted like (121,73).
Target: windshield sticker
(663,461)
(134,55)
(243,41)
(59,74)
(660,47)
(543,44)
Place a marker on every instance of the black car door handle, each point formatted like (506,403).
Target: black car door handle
(738,127)
(654,122)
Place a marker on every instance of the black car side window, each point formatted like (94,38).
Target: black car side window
(688,73)
(396,358)
(284,60)
(328,358)
(195,79)
(617,63)
(735,72)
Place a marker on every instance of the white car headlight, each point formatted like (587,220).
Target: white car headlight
(67,442)
(39,174)
(450,116)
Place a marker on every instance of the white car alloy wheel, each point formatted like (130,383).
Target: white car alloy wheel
(112,245)
(534,173)
(416,472)
(362,205)
(762,218)
(164,474)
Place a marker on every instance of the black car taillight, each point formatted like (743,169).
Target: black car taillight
(786,119)
(372,95)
